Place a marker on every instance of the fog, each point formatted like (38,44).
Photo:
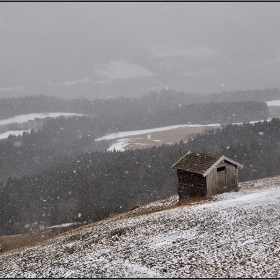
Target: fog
(102,50)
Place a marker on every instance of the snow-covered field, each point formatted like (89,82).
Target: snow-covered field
(232,235)
(144,131)
(273,103)
(124,140)
(28,118)
(32,117)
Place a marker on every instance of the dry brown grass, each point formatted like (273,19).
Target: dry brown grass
(193,200)
(11,242)
(152,208)
(3,128)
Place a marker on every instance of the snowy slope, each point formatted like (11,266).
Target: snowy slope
(232,235)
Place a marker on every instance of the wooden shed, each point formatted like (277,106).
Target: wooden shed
(201,174)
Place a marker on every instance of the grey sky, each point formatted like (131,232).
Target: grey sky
(57,42)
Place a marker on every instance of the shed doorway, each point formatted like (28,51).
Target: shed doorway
(222,179)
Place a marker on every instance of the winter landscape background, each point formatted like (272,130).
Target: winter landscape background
(99,100)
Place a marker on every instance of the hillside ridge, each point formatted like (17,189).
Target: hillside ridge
(231,235)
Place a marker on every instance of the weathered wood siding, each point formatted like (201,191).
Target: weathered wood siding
(191,184)
(222,179)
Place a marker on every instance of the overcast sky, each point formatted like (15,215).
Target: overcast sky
(58,42)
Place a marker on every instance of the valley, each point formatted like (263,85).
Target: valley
(106,156)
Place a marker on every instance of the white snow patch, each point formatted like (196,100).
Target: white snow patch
(144,131)
(119,146)
(13,132)
(12,88)
(64,225)
(252,122)
(273,103)
(31,117)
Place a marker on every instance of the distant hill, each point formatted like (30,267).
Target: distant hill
(153,102)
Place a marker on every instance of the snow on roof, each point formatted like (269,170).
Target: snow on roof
(201,163)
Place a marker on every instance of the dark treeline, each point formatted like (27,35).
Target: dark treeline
(172,107)
(10,107)
(88,187)
(91,186)
(262,95)
(65,137)
(150,103)
(194,114)
(43,148)
(257,146)
(58,173)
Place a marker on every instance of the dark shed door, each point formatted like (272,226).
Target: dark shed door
(221,172)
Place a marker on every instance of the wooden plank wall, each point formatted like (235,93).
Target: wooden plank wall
(214,182)
(191,184)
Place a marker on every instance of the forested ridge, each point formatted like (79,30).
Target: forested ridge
(43,148)
(91,186)
(153,102)
(58,173)
(62,138)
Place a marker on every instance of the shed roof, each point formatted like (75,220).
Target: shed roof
(201,163)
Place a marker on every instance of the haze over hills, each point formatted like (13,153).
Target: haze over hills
(97,50)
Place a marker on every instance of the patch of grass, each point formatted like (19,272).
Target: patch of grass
(118,232)
(158,138)
(193,200)
(11,242)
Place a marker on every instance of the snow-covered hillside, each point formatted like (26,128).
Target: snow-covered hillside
(27,118)
(32,117)
(230,235)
